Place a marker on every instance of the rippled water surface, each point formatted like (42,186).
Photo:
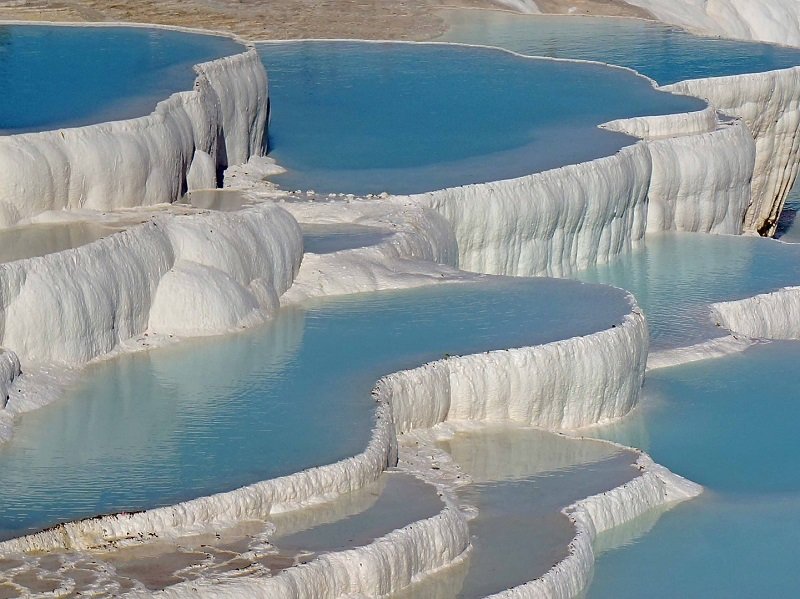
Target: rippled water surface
(210,415)
(374,117)
(55,76)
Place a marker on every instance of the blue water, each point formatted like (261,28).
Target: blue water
(521,480)
(675,277)
(788,224)
(55,76)
(210,415)
(326,239)
(730,425)
(666,54)
(40,239)
(367,118)
(401,501)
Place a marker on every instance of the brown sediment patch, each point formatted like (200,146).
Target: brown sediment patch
(9,563)
(291,19)
(8,591)
(154,570)
(608,8)
(255,19)
(35,583)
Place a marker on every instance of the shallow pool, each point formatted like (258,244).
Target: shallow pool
(330,238)
(31,241)
(728,424)
(523,478)
(667,54)
(57,76)
(210,415)
(676,276)
(403,118)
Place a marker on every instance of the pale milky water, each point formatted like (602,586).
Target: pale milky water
(401,500)
(326,239)
(667,54)
(31,241)
(676,276)
(210,415)
(368,118)
(729,425)
(55,76)
(221,200)
(521,480)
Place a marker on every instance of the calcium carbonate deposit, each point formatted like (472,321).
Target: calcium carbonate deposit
(264,392)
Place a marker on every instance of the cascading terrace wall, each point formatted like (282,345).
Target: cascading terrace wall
(154,159)
(701,170)
(565,384)
(769,104)
(178,275)
(774,315)
(558,221)
(776,21)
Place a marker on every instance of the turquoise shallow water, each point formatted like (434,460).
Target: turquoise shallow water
(367,118)
(730,425)
(401,501)
(666,54)
(522,478)
(676,276)
(57,76)
(210,415)
(326,239)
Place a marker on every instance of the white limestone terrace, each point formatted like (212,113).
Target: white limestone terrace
(768,103)
(562,385)
(419,253)
(559,221)
(180,146)
(172,276)
(773,315)
(775,21)
(148,276)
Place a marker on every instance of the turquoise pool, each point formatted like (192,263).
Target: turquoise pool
(404,118)
(730,425)
(58,76)
(210,415)
(676,276)
(667,54)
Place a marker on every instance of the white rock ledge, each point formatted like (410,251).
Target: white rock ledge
(180,146)
(570,383)
(73,306)
(175,276)
(775,21)
(656,487)
(386,565)
(549,223)
(773,315)
(706,350)
(769,104)
(689,173)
